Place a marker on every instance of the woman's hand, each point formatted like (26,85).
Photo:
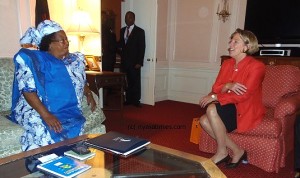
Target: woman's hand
(237,88)
(206,100)
(36,104)
(89,97)
(91,101)
(52,122)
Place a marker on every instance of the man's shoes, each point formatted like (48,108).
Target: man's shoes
(126,103)
(138,105)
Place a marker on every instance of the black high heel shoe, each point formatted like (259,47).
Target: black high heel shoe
(243,159)
(224,160)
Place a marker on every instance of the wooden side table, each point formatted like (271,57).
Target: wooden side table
(97,80)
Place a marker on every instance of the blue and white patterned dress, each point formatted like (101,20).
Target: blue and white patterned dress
(62,99)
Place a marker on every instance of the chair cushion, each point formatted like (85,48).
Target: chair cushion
(280,81)
(268,128)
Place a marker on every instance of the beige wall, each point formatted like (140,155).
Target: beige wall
(17,15)
(193,30)
(162,31)
(190,41)
(190,34)
(14,20)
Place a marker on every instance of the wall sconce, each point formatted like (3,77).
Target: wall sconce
(81,26)
(224,13)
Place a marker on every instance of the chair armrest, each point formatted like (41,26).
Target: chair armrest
(287,106)
(97,114)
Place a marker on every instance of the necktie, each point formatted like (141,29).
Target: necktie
(127,34)
(127,31)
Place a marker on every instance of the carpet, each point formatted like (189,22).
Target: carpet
(168,123)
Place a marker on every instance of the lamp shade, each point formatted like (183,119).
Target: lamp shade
(81,24)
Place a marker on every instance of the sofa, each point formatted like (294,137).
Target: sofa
(11,132)
(269,144)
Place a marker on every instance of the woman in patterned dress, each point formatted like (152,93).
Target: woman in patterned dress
(48,88)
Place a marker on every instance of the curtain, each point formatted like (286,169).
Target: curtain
(41,11)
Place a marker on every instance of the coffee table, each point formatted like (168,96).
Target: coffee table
(152,162)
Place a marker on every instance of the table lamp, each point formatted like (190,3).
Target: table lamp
(81,25)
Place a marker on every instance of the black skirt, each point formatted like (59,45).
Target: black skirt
(227,114)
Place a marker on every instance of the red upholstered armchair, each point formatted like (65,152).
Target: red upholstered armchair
(268,144)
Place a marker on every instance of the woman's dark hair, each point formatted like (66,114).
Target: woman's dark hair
(45,42)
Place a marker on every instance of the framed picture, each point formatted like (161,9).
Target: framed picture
(92,62)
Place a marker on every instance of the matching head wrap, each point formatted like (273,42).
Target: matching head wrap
(34,36)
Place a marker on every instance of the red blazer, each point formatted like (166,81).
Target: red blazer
(250,109)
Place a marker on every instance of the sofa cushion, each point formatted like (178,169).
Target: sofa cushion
(93,124)
(280,81)
(9,132)
(6,78)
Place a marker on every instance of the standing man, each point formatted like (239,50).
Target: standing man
(132,44)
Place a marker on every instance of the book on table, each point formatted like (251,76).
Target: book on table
(80,157)
(64,167)
(118,143)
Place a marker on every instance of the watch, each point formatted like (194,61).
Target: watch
(213,96)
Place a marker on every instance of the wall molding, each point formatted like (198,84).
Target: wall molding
(185,85)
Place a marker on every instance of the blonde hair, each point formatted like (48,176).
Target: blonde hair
(249,39)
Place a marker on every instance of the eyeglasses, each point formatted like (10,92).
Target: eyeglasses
(63,41)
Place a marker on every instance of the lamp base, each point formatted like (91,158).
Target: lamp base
(81,39)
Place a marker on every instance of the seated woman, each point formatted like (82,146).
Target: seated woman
(48,88)
(235,102)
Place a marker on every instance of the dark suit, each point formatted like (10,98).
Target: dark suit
(132,53)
